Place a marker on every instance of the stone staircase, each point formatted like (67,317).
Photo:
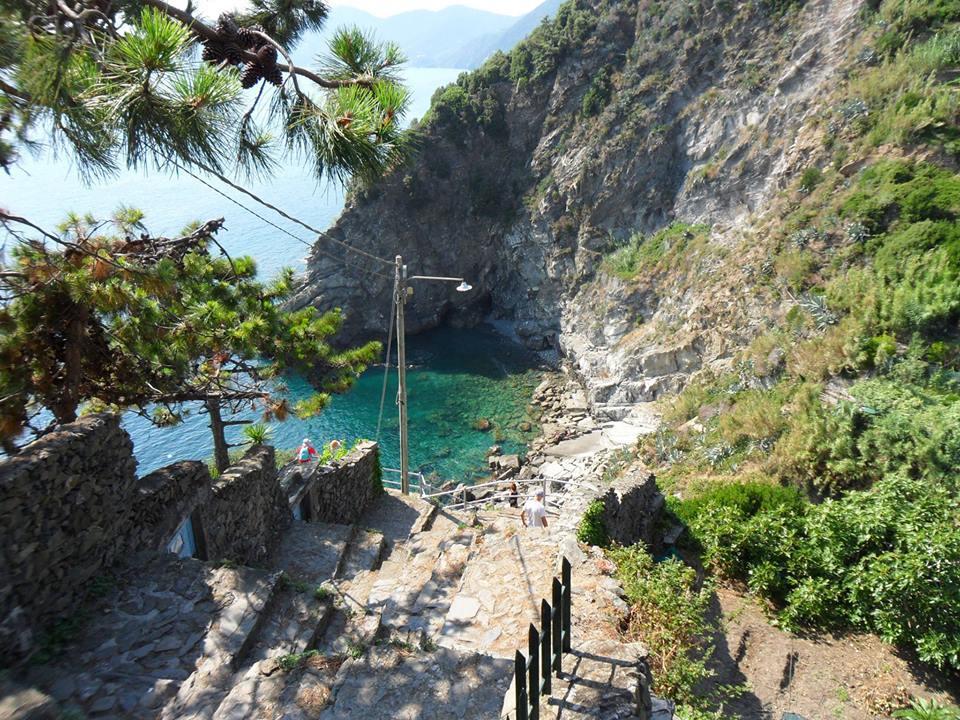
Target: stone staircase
(415,612)
(171,625)
(290,618)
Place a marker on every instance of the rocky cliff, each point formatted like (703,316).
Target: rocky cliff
(615,120)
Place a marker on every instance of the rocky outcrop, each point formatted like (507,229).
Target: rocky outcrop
(522,187)
(632,507)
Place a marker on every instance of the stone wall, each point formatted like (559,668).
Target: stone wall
(165,498)
(247,510)
(71,508)
(339,492)
(632,508)
(63,504)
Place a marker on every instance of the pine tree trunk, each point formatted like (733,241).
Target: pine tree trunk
(65,407)
(221,452)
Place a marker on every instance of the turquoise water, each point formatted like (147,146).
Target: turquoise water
(457,376)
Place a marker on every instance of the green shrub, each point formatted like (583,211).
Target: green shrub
(592,530)
(886,560)
(747,499)
(597,95)
(668,614)
(921,709)
(258,433)
(811,177)
(663,249)
(755,415)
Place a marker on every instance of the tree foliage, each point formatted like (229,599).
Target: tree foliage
(119,83)
(104,315)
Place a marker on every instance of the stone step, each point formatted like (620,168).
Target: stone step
(353,625)
(396,516)
(308,556)
(152,634)
(245,596)
(413,590)
(397,682)
(511,570)
(363,554)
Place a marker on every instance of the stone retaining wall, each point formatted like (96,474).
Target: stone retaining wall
(247,510)
(632,508)
(72,508)
(165,498)
(339,492)
(64,509)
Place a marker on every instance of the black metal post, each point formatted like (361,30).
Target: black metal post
(533,657)
(557,627)
(567,592)
(520,685)
(545,646)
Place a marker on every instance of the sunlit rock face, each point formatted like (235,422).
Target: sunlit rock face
(523,186)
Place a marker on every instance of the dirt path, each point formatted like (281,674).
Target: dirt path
(855,677)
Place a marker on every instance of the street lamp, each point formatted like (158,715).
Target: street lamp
(399,300)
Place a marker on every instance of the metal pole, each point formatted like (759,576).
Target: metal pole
(520,685)
(533,687)
(401,299)
(557,630)
(545,647)
(567,578)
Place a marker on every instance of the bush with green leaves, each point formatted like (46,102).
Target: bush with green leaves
(668,613)
(662,250)
(885,560)
(592,529)
(923,709)
(597,95)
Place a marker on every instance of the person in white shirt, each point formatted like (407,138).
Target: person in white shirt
(534,513)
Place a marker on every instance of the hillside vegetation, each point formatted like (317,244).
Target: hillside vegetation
(749,213)
(820,470)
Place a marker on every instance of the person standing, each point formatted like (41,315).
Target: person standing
(306,452)
(534,513)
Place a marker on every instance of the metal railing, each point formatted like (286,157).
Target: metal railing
(524,488)
(394,484)
(533,675)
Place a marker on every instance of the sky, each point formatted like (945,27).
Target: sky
(384,8)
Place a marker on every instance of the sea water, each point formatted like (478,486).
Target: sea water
(467,389)
(457,378)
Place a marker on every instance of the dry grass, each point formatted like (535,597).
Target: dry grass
(313,699)
(325,663)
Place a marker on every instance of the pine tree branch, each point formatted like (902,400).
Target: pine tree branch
(205,32)
(10,90)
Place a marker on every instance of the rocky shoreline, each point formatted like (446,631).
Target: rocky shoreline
(573,444)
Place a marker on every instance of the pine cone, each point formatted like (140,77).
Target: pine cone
(250,76)
(225,25)
(233,54)
(267,56)
(248,39)
(213,52)
(273,76)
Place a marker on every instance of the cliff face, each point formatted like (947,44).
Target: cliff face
(615,119)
